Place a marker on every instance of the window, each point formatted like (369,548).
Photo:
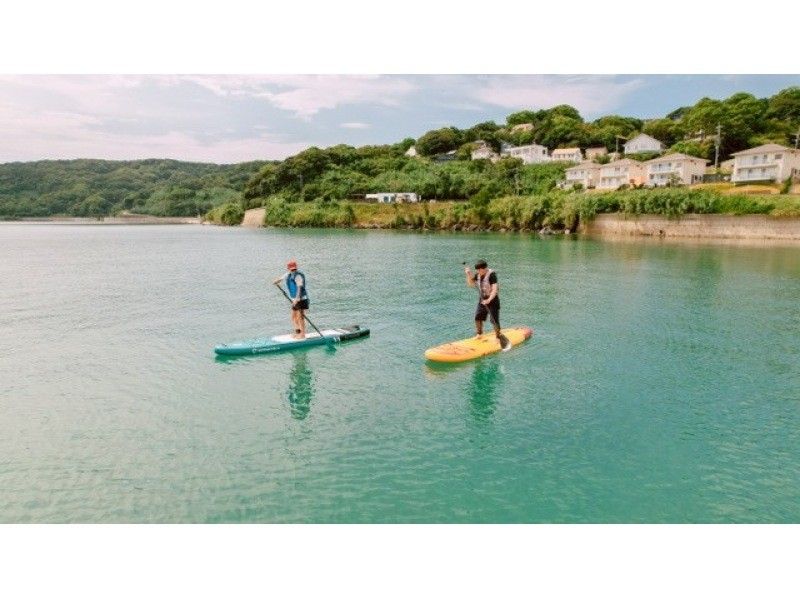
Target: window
(778,156)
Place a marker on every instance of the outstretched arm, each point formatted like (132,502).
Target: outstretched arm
(279,280)
(470,280)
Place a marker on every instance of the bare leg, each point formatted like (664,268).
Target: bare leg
(301,322)
(478,327)
(295,325)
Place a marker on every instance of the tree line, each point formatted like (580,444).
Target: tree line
(95,188)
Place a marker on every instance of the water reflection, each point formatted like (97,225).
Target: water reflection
(484,386)
(301,386)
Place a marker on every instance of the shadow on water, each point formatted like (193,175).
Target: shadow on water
(301,386)
(483,389)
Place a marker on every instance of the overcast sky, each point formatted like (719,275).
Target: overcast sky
(232,118)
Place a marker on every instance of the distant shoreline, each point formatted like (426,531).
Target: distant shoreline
(106,221)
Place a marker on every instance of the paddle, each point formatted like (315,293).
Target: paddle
(505,344)
(328,339)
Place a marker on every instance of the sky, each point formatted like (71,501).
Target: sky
(234,118)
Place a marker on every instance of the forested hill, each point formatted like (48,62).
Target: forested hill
(103,187)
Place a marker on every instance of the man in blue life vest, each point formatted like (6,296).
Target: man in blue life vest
(488,299)
(296,287)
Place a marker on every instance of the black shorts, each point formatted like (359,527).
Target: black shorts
(302,304)
(484,310)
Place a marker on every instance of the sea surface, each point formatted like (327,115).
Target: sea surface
(662,383)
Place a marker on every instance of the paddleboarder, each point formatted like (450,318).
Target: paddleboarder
(295,282)
(488,297)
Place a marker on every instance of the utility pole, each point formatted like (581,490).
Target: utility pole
(796,137)
(717,141)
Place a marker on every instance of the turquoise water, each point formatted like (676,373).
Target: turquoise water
(661,385)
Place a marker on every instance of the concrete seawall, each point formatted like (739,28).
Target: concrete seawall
(254,217)
(699,226)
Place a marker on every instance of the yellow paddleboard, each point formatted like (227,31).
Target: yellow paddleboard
(472,348)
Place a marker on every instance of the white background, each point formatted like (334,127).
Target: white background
(411,36)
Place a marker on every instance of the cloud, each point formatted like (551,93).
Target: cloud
(590,94)
(306,95)
(355,125)
(97,117)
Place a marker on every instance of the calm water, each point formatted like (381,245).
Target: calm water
(662,383)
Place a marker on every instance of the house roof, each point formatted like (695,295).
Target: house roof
(585,165)
(625,162)
(645,136)
(678,156)
(597,149)
(769,147)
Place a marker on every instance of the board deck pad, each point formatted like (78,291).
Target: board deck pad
(285,342)
(472,348)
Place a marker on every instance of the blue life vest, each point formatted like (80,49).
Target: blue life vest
(291,285)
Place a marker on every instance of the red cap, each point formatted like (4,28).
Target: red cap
(292,265)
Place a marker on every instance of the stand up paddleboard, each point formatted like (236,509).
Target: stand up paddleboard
(472,348)
(286,342)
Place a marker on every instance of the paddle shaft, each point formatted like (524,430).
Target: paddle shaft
(289,299)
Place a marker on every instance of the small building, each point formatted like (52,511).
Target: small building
(770,162)
(447,157)
(483,151)
(675,168)
(621,172)
(567,154)
(595,152)
(411,152)
(392,197)
(643,143)
(529,154)
(522,127)
(585,174)
(727,165)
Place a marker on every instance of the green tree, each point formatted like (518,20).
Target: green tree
(439,141)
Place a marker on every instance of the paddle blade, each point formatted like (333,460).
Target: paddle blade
(505,344)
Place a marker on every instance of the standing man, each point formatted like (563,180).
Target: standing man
(488,299)
(296,287)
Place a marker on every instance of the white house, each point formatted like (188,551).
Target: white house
(412,151)
(770,162)
(643,143)
(529,154)
(621,172)
(567,154)
(586,174)
(675,168)
(393,197)
(483,151)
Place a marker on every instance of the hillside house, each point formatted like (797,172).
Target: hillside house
(643,143)
(621,172)
(770,162)
(529,154)
(585,174)
(675,168)
(567,154)
(483,151)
